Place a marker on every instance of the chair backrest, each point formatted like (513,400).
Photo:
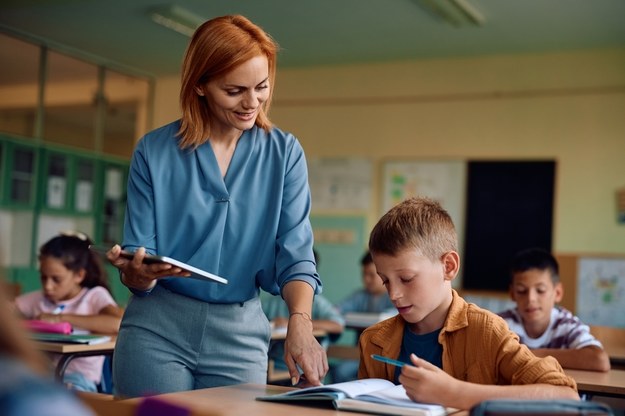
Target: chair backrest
(609,336)
(343,352)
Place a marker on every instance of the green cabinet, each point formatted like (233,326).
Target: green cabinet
(46,189)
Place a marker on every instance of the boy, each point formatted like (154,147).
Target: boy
(372,297)
(459,354)
(545,328)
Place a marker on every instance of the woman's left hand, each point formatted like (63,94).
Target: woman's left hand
(302,349)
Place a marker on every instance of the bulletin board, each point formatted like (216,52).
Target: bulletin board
(599,287)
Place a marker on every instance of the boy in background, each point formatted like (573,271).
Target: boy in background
(458,354)
(545,328)
(372,297)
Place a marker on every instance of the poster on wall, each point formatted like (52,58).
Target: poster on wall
(601,291)
(443,181)
(340,184)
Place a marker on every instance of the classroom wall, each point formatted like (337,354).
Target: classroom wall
(564,106)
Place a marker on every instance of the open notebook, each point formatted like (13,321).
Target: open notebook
(89,339)
(372,395)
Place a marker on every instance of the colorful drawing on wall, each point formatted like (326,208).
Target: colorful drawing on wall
(443,181)
(601,291)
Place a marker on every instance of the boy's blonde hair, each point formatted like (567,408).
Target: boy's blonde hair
(416,223)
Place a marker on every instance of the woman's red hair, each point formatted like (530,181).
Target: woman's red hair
(217,47)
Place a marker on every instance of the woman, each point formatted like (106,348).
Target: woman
(225,191)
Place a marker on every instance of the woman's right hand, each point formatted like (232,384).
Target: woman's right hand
(137,275)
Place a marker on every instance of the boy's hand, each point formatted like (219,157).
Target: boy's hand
(424,382)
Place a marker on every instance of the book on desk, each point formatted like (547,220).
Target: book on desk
(87,339)
(372,395)
(364,320)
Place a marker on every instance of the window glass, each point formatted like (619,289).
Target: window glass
(83,193)
(114,203)
(22,175)
(18,86)
(56,191)
(70,103)
(126,112)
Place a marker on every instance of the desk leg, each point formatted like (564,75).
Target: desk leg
(65,359)
(61,366)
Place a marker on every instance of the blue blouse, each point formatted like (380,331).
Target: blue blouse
(251,227)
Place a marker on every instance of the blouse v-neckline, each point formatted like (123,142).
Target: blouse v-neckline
(240,156)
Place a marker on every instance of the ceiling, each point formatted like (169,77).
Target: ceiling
(321,32)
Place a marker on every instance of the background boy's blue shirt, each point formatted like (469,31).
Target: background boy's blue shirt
(251,227)
(363,301)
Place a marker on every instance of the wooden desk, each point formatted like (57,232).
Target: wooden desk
(617,356)
(241,400)
(611,383)
(70,351)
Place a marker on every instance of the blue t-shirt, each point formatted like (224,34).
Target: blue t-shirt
(251,227)
(424,346)
(363,301)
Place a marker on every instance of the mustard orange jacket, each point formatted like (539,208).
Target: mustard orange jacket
(477,345)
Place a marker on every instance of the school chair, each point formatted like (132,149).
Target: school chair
(613,340)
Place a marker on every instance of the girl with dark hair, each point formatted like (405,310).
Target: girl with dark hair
(74,290)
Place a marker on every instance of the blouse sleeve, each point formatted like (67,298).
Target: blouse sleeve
(294,259)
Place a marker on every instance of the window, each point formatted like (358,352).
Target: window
(18,86)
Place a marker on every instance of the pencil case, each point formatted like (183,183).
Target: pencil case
(50,327)
(558,407)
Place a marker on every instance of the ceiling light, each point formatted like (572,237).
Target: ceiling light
(456,12)
(177,18)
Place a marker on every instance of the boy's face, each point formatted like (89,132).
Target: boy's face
(371,281)
(419,288)
(535,295)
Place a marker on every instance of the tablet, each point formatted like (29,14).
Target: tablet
(154,259)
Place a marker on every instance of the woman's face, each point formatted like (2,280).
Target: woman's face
(235,99)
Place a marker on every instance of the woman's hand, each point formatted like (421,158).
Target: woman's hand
(136,274)
(302,349)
